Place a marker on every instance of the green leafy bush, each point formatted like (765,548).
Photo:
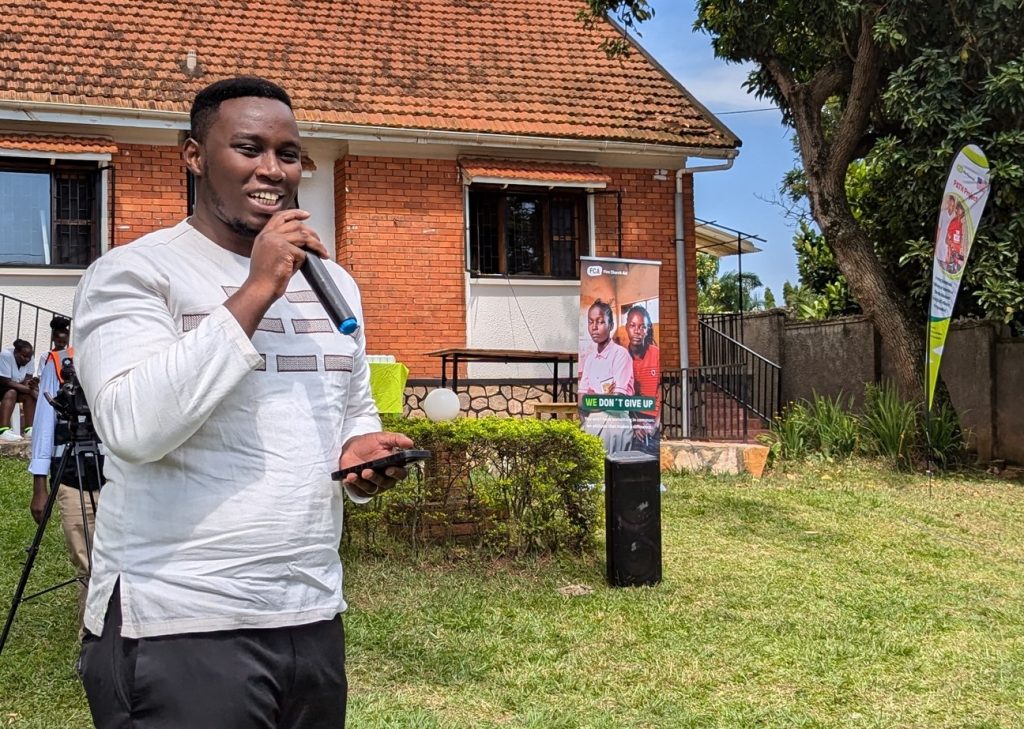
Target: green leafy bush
(833,427)
(890,428)
(515,485)
(890,424)
(945,442)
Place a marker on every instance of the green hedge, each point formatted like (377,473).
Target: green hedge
(513,485)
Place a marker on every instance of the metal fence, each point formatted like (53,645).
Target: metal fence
(22,320)
(696,403)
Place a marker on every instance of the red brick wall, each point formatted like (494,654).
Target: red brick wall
(149,190)
(648,232)
(401,235)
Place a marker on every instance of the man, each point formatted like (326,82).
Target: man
(77,508)
(606,369)
(18,386)
(646,359)
(224,399)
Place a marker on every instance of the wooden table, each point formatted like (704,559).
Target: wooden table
(456,355)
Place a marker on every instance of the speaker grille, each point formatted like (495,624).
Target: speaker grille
(633,519)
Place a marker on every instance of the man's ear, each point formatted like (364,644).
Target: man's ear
(192,153)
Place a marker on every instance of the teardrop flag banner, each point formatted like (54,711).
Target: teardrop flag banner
(963,202)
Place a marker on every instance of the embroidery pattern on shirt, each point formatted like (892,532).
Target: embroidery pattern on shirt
(263,364)
(312,326)
(297,363)
(301,297)
(271,324)
(191,321)
(338,363)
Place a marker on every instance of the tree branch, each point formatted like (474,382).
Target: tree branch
(861,98)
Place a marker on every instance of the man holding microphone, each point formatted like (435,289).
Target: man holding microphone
(225,398)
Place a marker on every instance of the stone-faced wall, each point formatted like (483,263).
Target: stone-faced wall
(482,398)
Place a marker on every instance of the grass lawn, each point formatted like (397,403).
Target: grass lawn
(834,596)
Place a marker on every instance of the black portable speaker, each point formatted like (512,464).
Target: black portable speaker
(632,505)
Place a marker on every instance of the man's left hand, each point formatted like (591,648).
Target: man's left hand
(369,447)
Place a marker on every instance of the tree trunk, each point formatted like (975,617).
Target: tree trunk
(870,284)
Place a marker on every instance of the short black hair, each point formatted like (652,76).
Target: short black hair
(605,308)
(208,101)
(21,344)
(637,309)
(60,323)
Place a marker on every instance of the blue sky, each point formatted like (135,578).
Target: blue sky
(737,197)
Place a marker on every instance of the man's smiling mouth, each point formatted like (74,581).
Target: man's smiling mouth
(267,198)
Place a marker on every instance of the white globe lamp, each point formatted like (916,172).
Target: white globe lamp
(441,404)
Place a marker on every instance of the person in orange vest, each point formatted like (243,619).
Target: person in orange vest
(77,509)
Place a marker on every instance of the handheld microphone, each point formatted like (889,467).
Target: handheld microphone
(327,292)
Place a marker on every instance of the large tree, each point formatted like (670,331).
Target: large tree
(839,70)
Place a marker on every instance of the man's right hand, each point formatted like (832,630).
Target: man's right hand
(39,495)
(277,253)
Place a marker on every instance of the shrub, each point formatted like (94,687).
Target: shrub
(514,485)
(790,438)
(945,443)
(889,424)
(834,429)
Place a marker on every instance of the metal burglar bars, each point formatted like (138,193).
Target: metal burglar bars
(22,320)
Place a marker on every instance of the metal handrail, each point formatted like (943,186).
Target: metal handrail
(22,320)
(695,405)
(759,386)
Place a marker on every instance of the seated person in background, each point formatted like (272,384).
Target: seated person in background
(18,386)
(77,508)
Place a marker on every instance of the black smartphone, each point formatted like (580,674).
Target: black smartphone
(398,458)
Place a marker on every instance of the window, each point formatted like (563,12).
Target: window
(523,232)
(49,214)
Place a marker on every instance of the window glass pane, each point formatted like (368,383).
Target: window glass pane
(524,235)
(484,240)
(24,218)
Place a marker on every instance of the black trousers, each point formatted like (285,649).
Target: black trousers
(275,678)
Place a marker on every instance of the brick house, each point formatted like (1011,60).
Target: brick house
(459,155)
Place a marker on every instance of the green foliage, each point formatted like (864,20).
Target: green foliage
(889,427)
(823,290)
(769,299)
(890,424)
(791,437)
(627,13)
(726,292)
(823,427)
(945,443)
(516,485)
(833,427)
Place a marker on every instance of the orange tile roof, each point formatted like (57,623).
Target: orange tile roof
(534,171)
(56,144)
(493,66)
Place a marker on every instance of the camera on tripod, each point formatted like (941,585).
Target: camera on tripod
(69,402)
(75,428)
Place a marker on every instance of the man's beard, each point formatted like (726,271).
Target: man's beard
(246,231)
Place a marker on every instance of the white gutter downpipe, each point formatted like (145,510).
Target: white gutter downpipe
(684,338)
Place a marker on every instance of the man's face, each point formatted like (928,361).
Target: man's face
(23,356)
(636,328)
(250,167)
(597,325)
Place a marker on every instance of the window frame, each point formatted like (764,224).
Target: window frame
(583,213)
(53,164)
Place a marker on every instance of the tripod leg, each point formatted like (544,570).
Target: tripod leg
(32,550)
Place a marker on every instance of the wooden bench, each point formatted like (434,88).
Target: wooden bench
(557,409)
